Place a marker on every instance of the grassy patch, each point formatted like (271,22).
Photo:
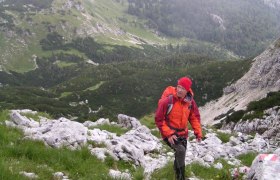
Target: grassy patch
(247,159)
(65,94)
(156,133)
(207,173)
(24,155)
(36,116)
(149,121)
(95,87)
(97,145)
(137,172)
(255,108)
(63,64)
(4,115)
(113,129)
(277,44)
(257,114)
(224,137)
(20,58)
(196,170)
(165,173)
(2,40)
(235,117)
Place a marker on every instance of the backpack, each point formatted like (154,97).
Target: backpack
(168,92)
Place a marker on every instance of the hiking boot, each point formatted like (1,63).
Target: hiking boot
(180,173)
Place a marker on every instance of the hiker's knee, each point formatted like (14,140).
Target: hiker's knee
(180,149)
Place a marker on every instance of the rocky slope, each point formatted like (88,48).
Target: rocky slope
(272,3)
(263,77)
(138,145)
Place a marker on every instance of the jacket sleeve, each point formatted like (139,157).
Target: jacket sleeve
(194,119)
(160,119)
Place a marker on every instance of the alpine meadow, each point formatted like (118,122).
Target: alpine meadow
(80,81)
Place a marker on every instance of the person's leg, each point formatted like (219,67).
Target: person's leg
(180,153)
(179,163)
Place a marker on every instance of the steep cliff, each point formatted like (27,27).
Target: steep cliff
(263,77)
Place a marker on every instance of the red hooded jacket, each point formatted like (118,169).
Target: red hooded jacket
(183,111)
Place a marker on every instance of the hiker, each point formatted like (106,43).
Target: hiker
(175,108)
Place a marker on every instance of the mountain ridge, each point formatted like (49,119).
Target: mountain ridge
(27,22)
(262,78)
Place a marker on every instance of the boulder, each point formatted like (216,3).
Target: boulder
(265,166)
(128,122)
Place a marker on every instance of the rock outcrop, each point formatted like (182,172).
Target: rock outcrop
(265,166)
(138,145)
(135,145)
(263,77)
(268,126)
(272,3)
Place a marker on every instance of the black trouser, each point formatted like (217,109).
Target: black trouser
(180,148)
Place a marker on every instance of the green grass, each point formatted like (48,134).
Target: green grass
(277,44)
(4,115)
(149,121)
(21,59)
(36,117)
(108,12)
(208,173)
(2,40)
(197,170)
(256,107)
(224,137)
(65,94)
(18,155)
(63,64)
(247,159)
(165,173)
(96,86)
(156,133)
(113,129)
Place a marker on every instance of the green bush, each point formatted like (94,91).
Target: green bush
(256,108)
(235,117)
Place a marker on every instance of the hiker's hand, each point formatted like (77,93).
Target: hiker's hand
(198,139)
(172,139)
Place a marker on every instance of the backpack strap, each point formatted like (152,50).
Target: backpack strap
(169,108)
(170,104)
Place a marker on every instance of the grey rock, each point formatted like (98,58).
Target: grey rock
(128,122)
(208,158)
(234,141)
(218,166)
(277,152)
(119,175)
(265,166)
(30,175)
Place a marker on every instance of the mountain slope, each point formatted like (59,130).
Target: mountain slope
(272,3)
(263,77)
(25,24)
(132,88)
(244,27)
